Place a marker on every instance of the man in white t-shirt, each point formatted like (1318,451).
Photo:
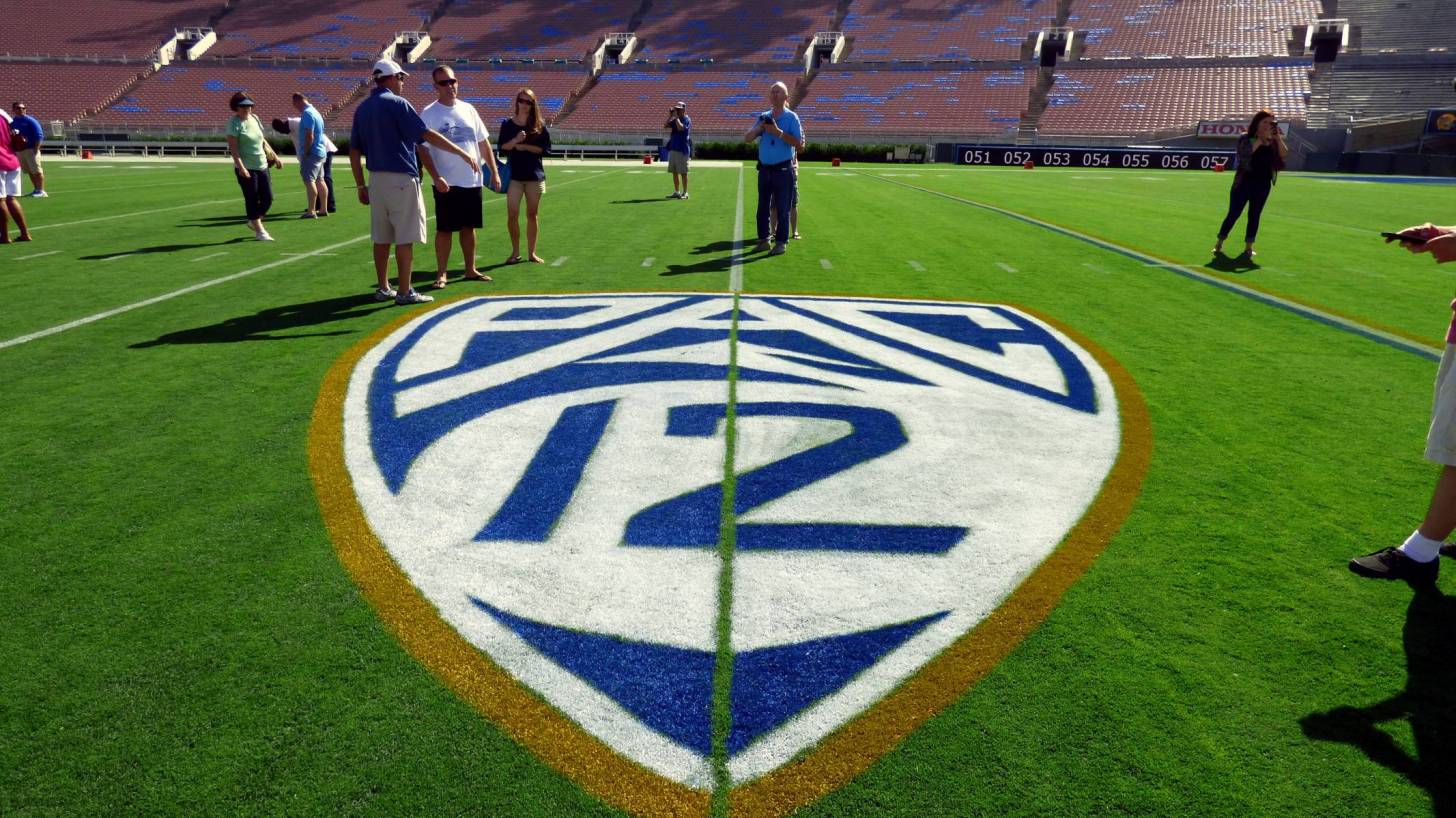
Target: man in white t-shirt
(458,209)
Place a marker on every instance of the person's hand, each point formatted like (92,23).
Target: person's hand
(773,128)
(1442,248)
(243,172)
(441,185)
(473,163)
(363,195)
(495,182)
(1424,232)
(277,162)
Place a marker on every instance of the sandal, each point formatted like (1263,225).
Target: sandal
(537,260)
(439,284)
(477,277)
(513,260)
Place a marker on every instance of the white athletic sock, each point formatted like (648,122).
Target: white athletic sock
(1420,548)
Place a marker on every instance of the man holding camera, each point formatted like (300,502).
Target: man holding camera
(779,134)
(679,148)
(1415,560)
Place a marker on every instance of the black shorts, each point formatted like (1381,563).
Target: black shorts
(458,209)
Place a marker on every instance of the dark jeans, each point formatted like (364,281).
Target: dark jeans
(329,178)
(776,183)
(257,192)
(1252,193)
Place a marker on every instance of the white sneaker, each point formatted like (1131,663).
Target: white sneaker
(39,194)
(384,294)
(684,195)
(262,235)
(412,297)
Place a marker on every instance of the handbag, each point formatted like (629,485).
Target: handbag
(504,169)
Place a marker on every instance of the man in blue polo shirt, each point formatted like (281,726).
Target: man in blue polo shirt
(386,131)
(779,134)
(29,153)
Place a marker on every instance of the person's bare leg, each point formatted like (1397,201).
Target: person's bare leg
(310,196)
(19,216)
(1440,518)
(533,206)
(4,223)
(794,221)
(513,219)
(404,266)
(685,184)
(467,249)
(37,180)
(442,257)
(321,202)
(381,265)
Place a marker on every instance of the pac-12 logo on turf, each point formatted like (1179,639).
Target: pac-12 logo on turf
(532,491)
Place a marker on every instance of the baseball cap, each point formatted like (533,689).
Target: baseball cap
(388,68)
(246,100)
(682,105)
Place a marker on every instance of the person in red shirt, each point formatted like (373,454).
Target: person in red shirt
(10,183)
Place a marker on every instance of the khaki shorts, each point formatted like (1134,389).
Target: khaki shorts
(1441,440)
(396,209)
(527,186)
(677,162)
(29,160)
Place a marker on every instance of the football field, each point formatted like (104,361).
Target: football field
(209,609)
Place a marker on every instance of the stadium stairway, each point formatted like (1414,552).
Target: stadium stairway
(1036,105)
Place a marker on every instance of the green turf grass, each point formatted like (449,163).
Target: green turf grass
(180,639)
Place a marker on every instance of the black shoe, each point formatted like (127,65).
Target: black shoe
(1392,563)
(1449,550)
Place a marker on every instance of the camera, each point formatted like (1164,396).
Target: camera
(765,118)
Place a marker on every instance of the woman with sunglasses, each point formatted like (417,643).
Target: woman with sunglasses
(524,140)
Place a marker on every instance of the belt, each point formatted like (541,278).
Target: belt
(784,165)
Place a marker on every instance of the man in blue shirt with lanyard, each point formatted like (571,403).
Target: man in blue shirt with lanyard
(780,134)
(387,129)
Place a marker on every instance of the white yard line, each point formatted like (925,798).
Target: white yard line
(208,256)
(916,266)
(91,319)
(1007,267)
(647,262)
(202,285)
(37,255)
(735,274)
(1094,268)
(824,262)
(1423,349)
(134,213)
(115,257)
(560,261)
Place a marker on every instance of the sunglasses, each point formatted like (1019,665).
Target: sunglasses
(446,82)
(520,101)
